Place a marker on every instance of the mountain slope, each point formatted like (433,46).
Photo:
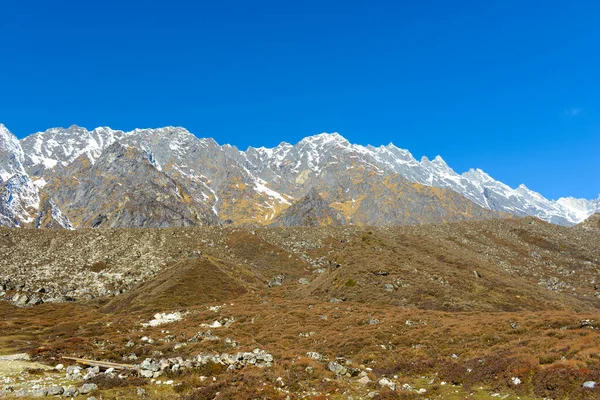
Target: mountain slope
(254,186)
(19,201)
(124,189)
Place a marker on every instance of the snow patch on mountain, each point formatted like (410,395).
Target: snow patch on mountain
(19,199)
(11,155)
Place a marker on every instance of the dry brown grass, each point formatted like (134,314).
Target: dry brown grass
(500,323)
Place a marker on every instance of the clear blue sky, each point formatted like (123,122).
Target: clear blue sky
(512,87)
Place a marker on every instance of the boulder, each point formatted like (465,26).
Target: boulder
(88,388)
(70,392)
(384,382)
(337,368)
(39,392)
(55,390)
(277,281)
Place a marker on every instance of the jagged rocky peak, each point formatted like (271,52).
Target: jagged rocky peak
(58,147)
(477,175)
(311,210)
(226,178)
(325,138)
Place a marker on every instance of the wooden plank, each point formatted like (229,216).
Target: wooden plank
(100,364)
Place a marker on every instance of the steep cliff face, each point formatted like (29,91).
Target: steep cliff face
(19,201)
(11,155)
(123,188)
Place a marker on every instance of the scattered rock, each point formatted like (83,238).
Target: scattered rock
(381,273)
(55,390)
(164,318)
(276,281)
(337,368)
(16,357)
(88,388)
(384,382)
(364,380)
(388,287)
(39,392)
(70,392)
(315,356)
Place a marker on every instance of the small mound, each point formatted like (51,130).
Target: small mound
(311,210)
(185,284)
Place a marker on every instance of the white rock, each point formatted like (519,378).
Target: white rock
(364,380)
(387,383)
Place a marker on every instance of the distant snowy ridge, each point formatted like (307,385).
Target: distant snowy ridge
(275,176)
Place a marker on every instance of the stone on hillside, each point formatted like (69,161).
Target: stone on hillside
(388,287)
(39,392)
(146,373)
(337,368)
(55,390)
(70,392)
(73,372)
(364,380)
(277,281)
(88,388)
(20,299)
(21,393)
(150,365)
(384,382)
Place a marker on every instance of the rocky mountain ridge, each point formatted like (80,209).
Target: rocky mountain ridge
(367,185)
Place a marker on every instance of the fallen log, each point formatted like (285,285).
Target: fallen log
(101,364)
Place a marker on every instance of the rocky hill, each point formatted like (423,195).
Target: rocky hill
(498,308)
(547,266)
(368,185)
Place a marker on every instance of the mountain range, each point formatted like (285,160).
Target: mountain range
(76,178)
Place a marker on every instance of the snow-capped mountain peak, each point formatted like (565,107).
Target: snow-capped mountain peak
(277,174)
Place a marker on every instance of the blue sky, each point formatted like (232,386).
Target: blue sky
(511,87)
